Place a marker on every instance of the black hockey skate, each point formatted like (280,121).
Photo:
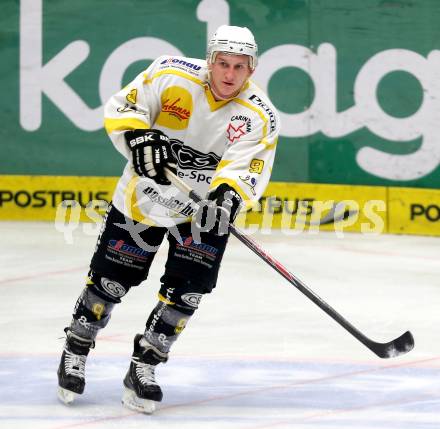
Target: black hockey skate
(71,372)
(141,390)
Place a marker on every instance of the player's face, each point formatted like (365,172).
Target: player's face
(228,74)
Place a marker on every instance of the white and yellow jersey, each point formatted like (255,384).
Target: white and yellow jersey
(215,142)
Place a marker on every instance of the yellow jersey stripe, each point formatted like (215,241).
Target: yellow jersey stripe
(147,80)
(222,164)
(213,103)
(269,146)
(121,124)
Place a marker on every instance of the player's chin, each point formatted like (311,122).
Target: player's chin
(228,91)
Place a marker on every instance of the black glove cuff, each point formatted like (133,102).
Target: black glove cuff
(145,137)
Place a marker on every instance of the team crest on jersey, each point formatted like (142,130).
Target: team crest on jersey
(172,107)
(239,126)
(177,106)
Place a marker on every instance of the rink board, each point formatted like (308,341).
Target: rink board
(39,197)
(290,206)
(414,211)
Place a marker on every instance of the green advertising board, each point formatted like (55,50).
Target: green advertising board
(356,81)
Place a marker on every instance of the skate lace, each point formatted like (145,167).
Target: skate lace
(74,364)
(145,372)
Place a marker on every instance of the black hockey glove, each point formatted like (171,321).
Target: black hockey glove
(219,210)
(151,152)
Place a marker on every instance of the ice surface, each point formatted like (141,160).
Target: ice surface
(257,354)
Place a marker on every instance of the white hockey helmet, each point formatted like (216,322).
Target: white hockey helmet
(233,40)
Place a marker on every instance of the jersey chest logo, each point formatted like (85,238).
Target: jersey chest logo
(189,158)
(177,107)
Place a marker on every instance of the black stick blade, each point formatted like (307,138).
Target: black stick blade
(397,347)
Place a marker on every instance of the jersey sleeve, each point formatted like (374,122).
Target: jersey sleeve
(246,165)
(133,107)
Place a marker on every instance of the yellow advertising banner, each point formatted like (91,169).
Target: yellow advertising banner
(414,211)
(306,206)
(39,197)
(291,206)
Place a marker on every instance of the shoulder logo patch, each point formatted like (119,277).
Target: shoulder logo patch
(250,181)
(235,133)
(132,96)
(239,126)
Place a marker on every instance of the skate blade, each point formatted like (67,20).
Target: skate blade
(131,401)
(66,396)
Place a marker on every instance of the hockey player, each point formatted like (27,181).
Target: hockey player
(206,121)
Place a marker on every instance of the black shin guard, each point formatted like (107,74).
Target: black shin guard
(178,300)
(95,304)
(164,326)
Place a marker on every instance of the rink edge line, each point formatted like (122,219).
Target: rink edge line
(43,274)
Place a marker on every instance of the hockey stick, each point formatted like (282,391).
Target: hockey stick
(396,347)
(337,213)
